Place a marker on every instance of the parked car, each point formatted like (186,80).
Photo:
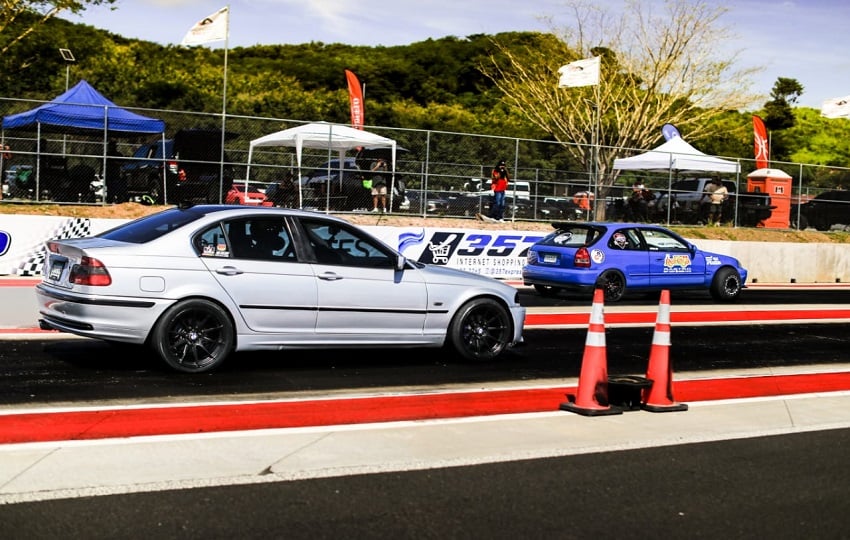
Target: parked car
(525,209)
(624,258)
(426,202)
(197,283)
(187,167)
(823,211)
(248,195)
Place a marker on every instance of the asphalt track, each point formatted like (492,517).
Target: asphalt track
(496,462)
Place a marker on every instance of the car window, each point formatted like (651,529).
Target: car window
(658,240)
(152,227)
(625,239)
(572,236)
(333,243)
(212,242)
(260,238)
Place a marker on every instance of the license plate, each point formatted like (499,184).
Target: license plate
(56,270)
(550,258)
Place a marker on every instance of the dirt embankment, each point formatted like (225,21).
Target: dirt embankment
(134,210)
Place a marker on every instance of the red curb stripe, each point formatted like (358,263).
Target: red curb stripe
(564,319)
(19,282)
(111,423)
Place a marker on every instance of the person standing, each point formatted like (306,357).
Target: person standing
(717,195)
(639,202)
(379,185)
(499,183)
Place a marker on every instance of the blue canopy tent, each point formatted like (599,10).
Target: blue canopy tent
(80,110)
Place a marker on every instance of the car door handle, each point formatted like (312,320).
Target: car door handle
(229,271)
(329,276)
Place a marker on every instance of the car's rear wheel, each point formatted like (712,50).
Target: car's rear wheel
(193,336)
(480,330)
(547,290)
(613,284)
(726,285)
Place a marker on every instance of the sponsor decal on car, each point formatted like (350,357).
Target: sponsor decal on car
(597,256)
(677,263)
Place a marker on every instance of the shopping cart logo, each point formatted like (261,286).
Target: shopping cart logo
(440,248)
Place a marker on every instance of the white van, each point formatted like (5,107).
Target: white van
(520,189)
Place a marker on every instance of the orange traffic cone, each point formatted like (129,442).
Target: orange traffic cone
(592,394)
(659,396)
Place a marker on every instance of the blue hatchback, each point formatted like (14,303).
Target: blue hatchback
(626,257)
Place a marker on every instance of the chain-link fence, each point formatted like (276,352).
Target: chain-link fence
(202,158)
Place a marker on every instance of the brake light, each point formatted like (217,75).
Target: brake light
(91,272)
(582,258)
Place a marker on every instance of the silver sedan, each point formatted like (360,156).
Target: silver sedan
(198,283)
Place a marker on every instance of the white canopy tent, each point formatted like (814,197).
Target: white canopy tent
(677,155)
(323,135)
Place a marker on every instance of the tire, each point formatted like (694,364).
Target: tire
(194,336)
(726,285)
(480,330)
(613,283)
(802,225)
(547,290)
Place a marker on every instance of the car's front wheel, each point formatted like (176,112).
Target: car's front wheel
(613,284)
(194,336)
(726,285)
(480,330)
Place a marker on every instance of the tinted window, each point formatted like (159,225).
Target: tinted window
(152,227)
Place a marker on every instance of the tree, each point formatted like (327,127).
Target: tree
(674,68)
(20,18)
(779,115)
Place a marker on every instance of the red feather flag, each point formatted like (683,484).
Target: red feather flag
(355,98)
(762,146)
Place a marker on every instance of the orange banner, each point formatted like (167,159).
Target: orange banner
(762,146)
(355,98)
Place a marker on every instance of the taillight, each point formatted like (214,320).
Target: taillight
(582,258)
(90,271)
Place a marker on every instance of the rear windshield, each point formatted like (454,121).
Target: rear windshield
(569,235)
(151,227)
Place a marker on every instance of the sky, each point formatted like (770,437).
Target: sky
(806,40)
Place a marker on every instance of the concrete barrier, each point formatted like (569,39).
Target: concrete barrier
(496,253)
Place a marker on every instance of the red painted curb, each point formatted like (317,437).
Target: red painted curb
(111,423)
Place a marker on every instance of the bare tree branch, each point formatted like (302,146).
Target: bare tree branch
(656,69)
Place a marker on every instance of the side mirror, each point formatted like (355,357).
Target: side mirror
(400,263)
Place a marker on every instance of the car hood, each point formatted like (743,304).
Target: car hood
(443,274)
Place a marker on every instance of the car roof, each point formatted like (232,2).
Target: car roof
(606,224)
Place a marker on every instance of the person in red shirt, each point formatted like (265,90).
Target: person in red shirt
(499,182)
